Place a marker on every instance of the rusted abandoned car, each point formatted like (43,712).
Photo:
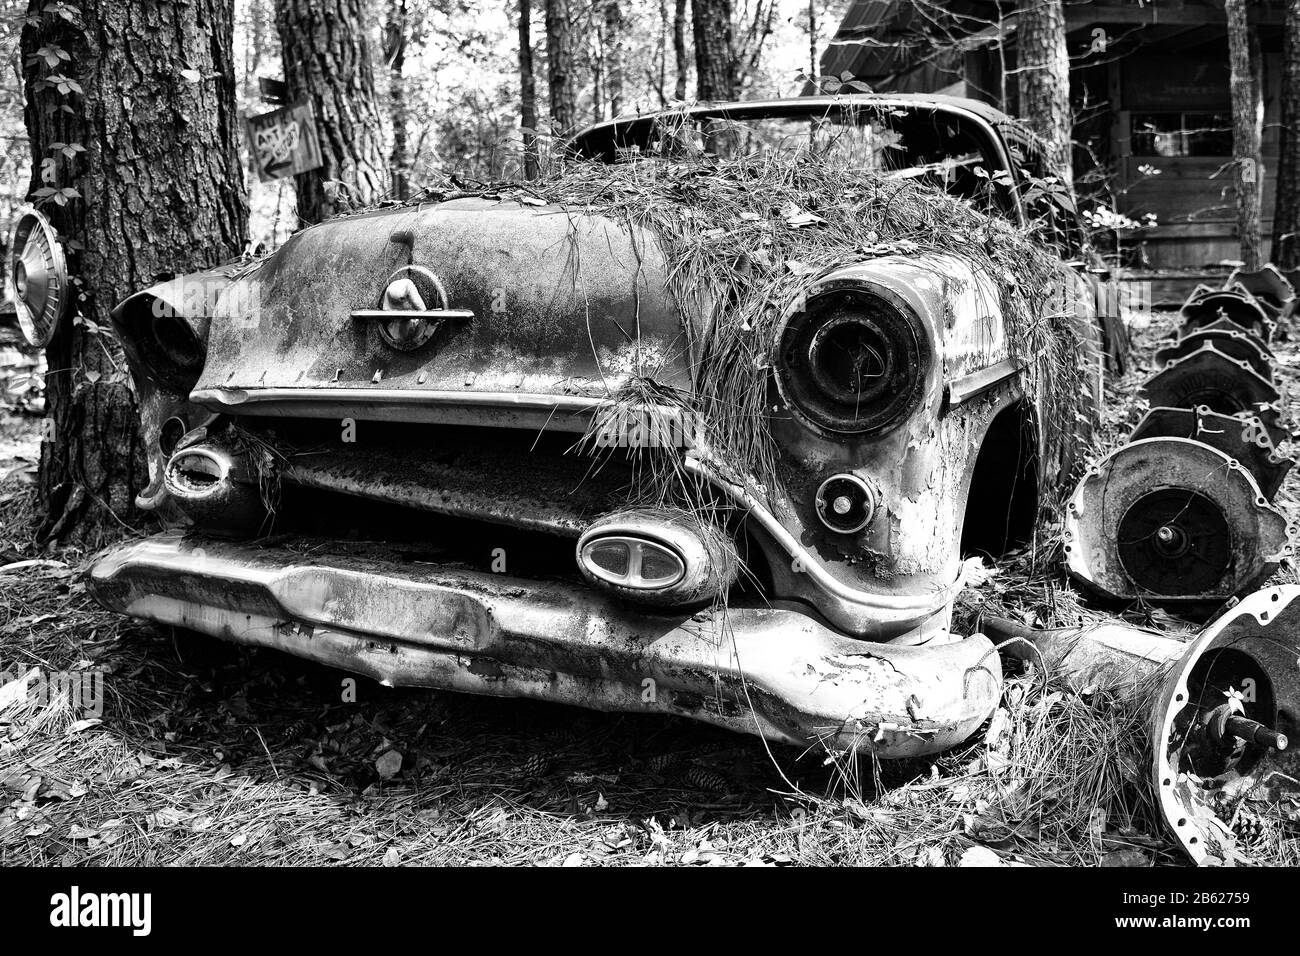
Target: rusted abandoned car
(406,392)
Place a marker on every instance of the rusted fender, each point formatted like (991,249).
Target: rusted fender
(767,671)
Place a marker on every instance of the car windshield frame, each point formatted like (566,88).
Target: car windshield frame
(609,142)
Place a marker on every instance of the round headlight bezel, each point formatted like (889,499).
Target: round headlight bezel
(889,352)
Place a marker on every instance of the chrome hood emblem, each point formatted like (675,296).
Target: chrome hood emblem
(414,308)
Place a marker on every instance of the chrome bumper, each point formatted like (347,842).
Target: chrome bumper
(772,672)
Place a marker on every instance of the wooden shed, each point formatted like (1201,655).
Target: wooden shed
(1149,84)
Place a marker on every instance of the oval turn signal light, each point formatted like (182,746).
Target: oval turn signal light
(632,562)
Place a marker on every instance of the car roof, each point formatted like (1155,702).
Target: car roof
(959,104)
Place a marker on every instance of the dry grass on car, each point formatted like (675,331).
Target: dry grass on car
(744,240)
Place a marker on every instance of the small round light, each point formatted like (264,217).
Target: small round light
(845,503)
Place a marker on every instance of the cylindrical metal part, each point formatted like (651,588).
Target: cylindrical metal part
(1252,731)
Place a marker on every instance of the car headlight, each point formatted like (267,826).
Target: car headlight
(169,344)
(172,346)
(853,361)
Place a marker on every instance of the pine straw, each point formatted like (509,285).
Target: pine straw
(745,239)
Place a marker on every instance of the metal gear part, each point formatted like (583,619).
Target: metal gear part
(1242,437)
(1208,377)
(1236,305)
(1238,346)
(1172,521)
(1226,728)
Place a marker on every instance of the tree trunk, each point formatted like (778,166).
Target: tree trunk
(559,67)
(594,60)
(747,48)
(1247,129)
(715,56)
(613,42)
(813,66)
(399,160)
(326,56)
(159,190)
(1044,81)
(1286,216)
(527,90)
(679,49)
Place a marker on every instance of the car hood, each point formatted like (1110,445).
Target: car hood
(564,304)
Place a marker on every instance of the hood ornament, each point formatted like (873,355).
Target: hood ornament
(405,316)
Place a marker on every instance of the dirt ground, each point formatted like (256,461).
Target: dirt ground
(206,753)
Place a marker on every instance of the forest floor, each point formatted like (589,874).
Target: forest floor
(207,753)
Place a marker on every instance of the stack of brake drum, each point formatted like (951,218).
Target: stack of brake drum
(1182,515)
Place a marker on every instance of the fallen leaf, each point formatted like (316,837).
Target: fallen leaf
(1125,858)
(334,851)
(979,856)
(389,764)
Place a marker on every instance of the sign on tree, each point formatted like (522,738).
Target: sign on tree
(284,141)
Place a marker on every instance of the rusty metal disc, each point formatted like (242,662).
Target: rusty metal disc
(1237,306)
(1270,287)
(1241,437)
(1208,377)
(1238,346)
(1226,729)
(1292,276)
(1172,520)
(39,274)
(1227,325)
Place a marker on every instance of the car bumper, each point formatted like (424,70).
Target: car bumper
(773,672)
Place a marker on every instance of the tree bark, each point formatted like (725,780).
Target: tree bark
(747,48)
(326,57)
(813,65)
(527,90)
(613,43)
(679,49)
(1286,215)
(159,190)
(399,160)
(1044,81)
(715,55)
(1247,130)
(559,67)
